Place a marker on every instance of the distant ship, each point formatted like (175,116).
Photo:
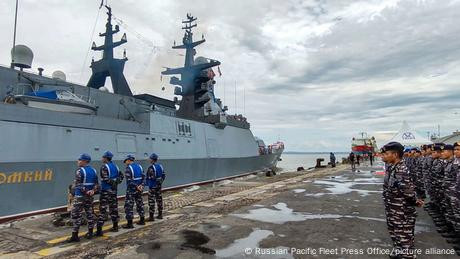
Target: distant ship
(46,122)
(363,144)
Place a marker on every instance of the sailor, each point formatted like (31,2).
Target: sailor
(155,178)
(435,176)
(110,178)
(135,184)
(455,198)
(427,164)
(86,185)
(400,201)
(448,185)
(417,175)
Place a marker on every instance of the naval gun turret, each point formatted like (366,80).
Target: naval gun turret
(196,82)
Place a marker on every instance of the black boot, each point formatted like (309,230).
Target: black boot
(89,235)
(160,215)
(114,227)
(73,238)
(141,221)
(129,224)
(151,217)
(99,231)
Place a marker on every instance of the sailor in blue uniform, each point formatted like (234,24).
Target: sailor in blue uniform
(110,178)
(135,184)
(86,185)
(155,177)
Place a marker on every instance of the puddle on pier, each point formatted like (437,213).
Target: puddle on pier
(282,214)
(196,240)
(299,190)
(344,184)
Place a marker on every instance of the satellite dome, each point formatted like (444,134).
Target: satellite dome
(201,60)
(58,75)
(103,89)
(22,56)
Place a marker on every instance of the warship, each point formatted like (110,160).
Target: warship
(46,122)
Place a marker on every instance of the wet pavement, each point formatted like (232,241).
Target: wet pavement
(326,213)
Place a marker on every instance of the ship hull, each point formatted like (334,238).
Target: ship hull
(25,191)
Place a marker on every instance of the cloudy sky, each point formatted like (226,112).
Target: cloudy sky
(313,73)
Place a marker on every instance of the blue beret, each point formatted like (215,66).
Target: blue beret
(393,146)
(84,157)
(129,157)
(107,154)
(154,156)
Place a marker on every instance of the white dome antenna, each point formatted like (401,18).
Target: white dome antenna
(22,56)
(58,75)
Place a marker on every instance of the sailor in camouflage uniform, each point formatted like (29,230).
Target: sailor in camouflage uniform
(86,185)
(417,174)
(135,184)
(455,198)
(434,179)
(155,177)
(110,178)
(448,186)
(427,164)
(400,200)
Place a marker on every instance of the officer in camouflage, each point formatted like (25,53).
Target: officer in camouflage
(110,178)
(155,177)
(427,164)
(86,185)
(400,200)
(417,174)
(134,185)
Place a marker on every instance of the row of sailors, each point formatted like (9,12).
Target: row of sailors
(86,185)
(410,176)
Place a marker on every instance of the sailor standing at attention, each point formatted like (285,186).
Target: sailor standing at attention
(135,184)
(86,185)
(155,177)
(110,178)
(400,200)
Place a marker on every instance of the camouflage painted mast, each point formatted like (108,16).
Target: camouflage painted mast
(46,122)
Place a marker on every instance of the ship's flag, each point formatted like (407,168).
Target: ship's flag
(218,70)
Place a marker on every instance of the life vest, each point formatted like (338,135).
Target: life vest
(137,172)
(113,175)
(157,177)
(89,180)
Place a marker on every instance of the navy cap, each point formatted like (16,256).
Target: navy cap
(153,156)
(84,157)
(107,154)
(393,146)
(448,147)
(129,157)
(437,147)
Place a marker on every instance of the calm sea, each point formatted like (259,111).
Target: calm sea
(290,161)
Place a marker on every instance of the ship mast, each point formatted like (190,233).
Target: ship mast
(109,66)
(195,84)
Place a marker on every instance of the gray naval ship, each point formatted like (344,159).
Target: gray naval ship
(46,122)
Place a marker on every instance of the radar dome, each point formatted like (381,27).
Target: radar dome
(201,60)
(22,56)
(103,89)
(58,75)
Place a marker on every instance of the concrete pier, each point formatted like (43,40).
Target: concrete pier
(321,213)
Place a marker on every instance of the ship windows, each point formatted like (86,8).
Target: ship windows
(184,129)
